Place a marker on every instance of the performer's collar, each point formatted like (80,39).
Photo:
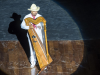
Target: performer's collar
(33,15)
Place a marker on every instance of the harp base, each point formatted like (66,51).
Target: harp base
(41,70)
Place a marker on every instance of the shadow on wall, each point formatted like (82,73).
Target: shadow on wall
(15,28)
(86,13)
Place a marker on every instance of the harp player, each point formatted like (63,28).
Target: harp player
(38,28)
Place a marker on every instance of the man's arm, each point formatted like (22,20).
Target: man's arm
(23,25)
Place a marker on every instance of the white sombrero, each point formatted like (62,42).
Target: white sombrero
(34,8)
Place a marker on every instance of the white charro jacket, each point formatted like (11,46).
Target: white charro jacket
(40,33)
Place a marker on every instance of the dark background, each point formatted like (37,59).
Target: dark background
(86,13)
(66,19)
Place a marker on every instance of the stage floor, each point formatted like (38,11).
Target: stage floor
(70,57)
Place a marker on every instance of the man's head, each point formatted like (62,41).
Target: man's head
(34,9)
(34,13)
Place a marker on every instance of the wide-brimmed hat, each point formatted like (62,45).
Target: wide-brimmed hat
(34,8)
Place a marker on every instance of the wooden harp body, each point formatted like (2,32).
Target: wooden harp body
(41,51)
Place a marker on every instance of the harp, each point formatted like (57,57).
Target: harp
(41,50)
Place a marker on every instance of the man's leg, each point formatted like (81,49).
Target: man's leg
(32,53)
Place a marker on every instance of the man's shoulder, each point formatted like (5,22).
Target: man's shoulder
(38,15)
(28,15)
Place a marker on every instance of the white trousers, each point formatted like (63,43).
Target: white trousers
(32,52)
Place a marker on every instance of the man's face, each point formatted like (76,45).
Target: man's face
(34,13)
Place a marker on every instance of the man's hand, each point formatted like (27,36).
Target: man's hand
(39,27)
(31,26)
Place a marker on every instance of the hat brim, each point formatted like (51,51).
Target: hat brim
(38,8)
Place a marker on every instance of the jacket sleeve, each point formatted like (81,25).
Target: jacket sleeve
(23,25)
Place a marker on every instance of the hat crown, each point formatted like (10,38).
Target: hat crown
(33,6)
